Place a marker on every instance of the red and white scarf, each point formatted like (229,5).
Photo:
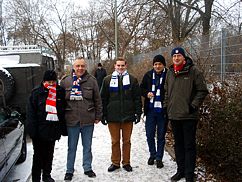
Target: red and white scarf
(50,106)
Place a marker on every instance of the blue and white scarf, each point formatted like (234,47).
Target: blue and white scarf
(76,93)
(113,86)
(155,102)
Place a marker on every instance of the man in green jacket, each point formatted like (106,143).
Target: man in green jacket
(185,90)
(121,99)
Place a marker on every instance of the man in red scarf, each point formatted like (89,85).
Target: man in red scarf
(45,120)
(185,90)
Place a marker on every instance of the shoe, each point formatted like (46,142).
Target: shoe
(177,176)
(113,168)
(151,161)
(68,176)
(47,178)
(127,168)
(159,164)
(90,174)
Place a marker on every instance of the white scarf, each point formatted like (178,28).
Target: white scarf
(114,81)
(155,102)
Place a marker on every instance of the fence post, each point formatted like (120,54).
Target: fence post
(223,56)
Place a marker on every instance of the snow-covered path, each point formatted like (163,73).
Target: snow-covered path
(101,160)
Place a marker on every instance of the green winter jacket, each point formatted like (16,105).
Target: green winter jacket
(121,106)
(184,92)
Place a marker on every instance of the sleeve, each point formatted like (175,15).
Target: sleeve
(31,117)
(105,96)
(165,102)
(97,101)
(137,97)
(144,86)
(201,90)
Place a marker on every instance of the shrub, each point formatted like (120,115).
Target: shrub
(220,131)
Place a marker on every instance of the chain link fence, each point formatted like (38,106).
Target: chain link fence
(219,55)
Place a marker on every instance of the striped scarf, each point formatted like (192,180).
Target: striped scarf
(155,102)
(114,81)
(50,106)
(76,93)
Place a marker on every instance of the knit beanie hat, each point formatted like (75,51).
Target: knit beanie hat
(178,50)
(49,75)
(159,58)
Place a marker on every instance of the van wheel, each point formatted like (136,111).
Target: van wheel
(23,154)
(6,83)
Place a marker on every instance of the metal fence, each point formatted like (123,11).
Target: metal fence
(221,56)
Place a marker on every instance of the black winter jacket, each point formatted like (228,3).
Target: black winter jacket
(37,126)
(146,87)
(121,106)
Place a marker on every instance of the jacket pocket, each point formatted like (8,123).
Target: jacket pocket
(88,92)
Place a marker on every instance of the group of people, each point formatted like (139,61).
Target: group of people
(170,94)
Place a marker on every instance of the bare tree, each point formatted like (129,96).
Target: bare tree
(44,23)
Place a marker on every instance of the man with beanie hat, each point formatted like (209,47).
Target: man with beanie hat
(45,120)
(152,89)
(185,90)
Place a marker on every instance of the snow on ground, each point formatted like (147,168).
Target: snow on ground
(101,160)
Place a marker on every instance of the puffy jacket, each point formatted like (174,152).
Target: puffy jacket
(123,105)
(36,124)
(184,92)
(84,111)
(146,86)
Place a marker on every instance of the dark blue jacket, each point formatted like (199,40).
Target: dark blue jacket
(146,86)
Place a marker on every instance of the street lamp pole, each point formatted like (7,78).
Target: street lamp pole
(116,29)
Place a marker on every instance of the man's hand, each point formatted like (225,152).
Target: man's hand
(192,109)
(104,121)
(137,119)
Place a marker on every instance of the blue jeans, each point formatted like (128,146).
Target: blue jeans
(155,125)
(73,137)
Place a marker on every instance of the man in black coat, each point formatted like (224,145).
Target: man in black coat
(100,73)
(45,120)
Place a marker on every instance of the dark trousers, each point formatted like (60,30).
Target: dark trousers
(42,158)
(185,145)
(155,127)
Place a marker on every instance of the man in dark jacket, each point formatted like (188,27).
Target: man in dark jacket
(100,73)
(152,89)
(83,110)
(185,90)
(45,119)
(122,106)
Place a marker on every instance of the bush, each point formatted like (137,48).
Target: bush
(220,131)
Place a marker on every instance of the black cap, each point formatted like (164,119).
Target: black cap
(178,50)
(50,75)
(99,64)
(159,58)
